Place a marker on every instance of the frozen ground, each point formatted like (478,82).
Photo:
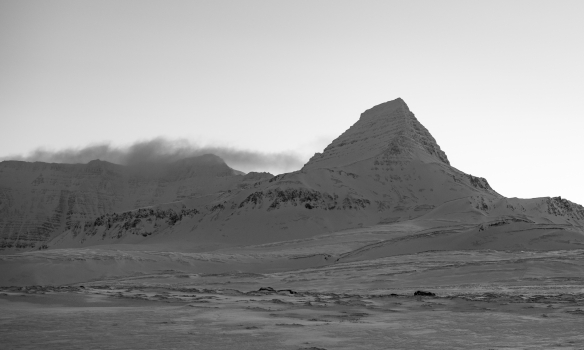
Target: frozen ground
(484,300)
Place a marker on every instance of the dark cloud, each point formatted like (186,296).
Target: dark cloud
(162,151)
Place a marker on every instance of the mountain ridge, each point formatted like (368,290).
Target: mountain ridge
(39,200)
(386,168)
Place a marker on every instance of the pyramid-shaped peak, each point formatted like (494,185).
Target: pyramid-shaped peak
(388,129)
(386,107)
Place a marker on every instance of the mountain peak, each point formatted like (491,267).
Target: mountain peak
(386,107)
(389,129)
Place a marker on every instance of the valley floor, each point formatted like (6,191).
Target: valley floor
(484,300)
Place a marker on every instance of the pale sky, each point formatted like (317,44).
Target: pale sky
(499,84)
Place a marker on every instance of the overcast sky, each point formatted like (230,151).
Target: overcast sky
(499,84)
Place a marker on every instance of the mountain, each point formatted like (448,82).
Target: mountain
(40,200)
(384,171)
(385,168)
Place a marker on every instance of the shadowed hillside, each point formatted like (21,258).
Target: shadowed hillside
(40,200)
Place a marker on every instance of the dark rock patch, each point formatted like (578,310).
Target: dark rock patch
(424,293)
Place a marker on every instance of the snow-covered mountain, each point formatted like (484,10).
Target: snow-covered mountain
(386,168)
(40,200)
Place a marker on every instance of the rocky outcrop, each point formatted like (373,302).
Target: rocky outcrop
(144,222)
(424,293)
(309,199)
(479,182)
(559,206)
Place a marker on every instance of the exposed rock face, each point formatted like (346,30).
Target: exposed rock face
(309,199)
(563,207)
(143,222)
(479,182)
(424,293)
(39,200)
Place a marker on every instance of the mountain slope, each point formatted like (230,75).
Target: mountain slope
(390,129)
(40,200)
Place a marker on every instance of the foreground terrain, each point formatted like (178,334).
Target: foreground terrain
(484,300)
(351,289)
